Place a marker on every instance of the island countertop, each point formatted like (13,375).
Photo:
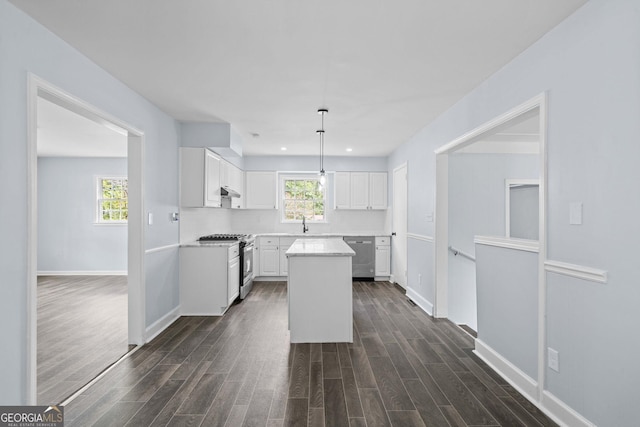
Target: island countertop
(319,247)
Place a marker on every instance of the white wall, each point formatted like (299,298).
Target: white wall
(589,67)
(27,47)
(69,240)
(477,207)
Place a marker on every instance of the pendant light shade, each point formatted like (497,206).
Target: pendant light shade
(322,112)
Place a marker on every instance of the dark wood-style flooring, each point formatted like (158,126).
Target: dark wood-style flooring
(82,329)
(403,369)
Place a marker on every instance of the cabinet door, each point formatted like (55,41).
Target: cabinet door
(383,260)
(233,280)
(261,190)
(237,183)
(342,190)
(225,173)
(359,190)
(212,196)
(378,190)
(285,244)
(269,261)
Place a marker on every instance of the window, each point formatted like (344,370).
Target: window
(302,196)
(112,198)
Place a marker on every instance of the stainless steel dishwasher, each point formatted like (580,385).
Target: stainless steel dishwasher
(363,263)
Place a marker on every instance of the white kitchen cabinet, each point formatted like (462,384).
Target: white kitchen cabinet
(383,256)
(272,253)
(360,190)
(377,190)
(268,248)
(233,178)
(233,280)
(342,190)
(285,244)
(261,190)
(236,182)
(209,279)
(199,178)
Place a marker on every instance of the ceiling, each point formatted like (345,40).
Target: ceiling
(384,69)
(63,133)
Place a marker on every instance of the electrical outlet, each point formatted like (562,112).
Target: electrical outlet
(419,279)
(553,359)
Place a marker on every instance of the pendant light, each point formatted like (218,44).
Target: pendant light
(322,112)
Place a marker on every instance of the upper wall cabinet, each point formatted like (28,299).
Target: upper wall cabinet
(360,190)
(261,190)
(233,177)
(199,178)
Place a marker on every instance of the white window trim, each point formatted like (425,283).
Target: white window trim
(98,192)
(294,176)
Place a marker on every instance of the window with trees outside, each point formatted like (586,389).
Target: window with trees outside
(302,196)
(113,207)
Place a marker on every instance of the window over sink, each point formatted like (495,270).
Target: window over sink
(302,196)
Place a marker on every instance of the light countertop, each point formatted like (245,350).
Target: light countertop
(321,235)
(198,244)
(320,247)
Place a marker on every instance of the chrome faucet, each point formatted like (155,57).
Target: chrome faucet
(304,225)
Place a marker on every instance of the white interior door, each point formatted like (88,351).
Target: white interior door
(399,239)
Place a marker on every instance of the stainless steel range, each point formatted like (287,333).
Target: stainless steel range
(247,245)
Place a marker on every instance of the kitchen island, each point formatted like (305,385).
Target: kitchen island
(319,291)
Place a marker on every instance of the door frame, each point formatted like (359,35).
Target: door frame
(441,263)
(406,220)
(36,87)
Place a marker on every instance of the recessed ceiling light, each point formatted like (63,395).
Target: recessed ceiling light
(283,148)
(349,149)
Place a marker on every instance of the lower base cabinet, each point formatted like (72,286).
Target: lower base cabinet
(209,279)
(383,257)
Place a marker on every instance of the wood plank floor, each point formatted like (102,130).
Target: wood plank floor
(82,329)
(403,369)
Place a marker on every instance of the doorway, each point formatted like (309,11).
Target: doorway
(399,239)
(534,109)
(129,279)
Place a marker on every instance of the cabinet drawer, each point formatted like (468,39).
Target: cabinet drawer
(269,241)
(383,241)
(234,251)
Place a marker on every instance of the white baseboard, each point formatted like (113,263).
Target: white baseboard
(553,407)
(562,413)
(270,279)
(514,376)
(420,301)
(161,324)
(82,273)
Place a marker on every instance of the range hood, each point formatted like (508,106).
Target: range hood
(228,192)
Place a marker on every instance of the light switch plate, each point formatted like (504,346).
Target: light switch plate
(553,359)
(150,218)
(575,213)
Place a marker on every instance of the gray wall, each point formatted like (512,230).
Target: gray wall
(588,66)
(27,47)
(69,240)
(507,281)
(477,207)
